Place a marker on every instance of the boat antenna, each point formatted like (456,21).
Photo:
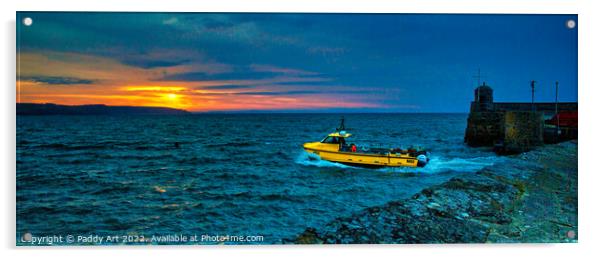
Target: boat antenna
(342,126)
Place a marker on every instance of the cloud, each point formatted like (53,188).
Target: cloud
(306,83)
(327,50)
(57,80)
(203,76)
(147,63)
(276,93)
(224,87)
(299,92)
(414,59)
(250,72)
(279,70)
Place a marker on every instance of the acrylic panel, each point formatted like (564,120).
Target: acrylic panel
(295,128)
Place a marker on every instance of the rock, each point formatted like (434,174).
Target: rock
(309,236)
(500,204)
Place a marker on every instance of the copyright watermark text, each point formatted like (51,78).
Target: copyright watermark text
(92,239)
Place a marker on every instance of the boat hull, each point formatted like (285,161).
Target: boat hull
(369,160)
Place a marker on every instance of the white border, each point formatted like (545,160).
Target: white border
(590,82)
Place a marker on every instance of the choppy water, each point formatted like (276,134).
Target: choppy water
(236,174)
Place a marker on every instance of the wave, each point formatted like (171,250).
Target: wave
(42,209)
(196,160)
(60,146)
(113,189)
(439,164)
(311,159)
(230,144)
(436,164)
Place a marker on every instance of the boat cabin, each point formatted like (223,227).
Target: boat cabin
(338,138)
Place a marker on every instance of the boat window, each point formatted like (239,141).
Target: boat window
(331,139)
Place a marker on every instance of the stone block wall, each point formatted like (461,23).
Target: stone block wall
(484,128)
(522,131)
(509,132)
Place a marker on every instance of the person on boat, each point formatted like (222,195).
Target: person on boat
(334,140)
(353,148)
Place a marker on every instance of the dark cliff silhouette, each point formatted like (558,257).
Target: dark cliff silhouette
(54,109)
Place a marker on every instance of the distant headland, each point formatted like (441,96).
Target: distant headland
(54,109)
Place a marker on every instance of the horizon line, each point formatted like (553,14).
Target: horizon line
(261,111)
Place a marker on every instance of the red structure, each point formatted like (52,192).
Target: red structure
(564,119)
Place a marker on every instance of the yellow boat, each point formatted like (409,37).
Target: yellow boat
(335,148)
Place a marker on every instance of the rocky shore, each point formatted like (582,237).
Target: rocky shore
(532,198)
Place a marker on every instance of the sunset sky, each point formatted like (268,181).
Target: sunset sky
(292,62)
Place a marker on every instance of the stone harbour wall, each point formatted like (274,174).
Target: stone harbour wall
(522,131)
(509,132)
(484,128)
(530,198)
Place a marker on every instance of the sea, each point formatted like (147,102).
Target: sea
(218,174)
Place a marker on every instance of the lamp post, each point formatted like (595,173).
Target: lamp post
(557,116)
(532,96)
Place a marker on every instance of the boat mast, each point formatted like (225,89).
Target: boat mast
(342,126)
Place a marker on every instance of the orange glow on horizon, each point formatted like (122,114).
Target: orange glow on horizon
(116,84)
(154,88)
(181,98)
